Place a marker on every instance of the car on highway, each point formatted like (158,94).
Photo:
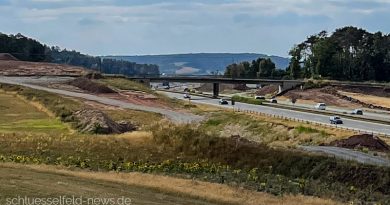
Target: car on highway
(223,102)
(259,97)
(186,96)
(273,100)
(335,120)
(357,112)
(320,106)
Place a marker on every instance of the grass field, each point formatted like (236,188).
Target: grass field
(20,116)
(49,181)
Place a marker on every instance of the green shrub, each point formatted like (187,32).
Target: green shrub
(247,100)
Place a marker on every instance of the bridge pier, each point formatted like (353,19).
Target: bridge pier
(215,90)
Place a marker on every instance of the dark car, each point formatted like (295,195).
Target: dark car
(335,120)
(223,102)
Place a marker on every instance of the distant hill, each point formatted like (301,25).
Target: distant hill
(199,63)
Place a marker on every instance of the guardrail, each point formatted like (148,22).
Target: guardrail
(329,113)
(357,131)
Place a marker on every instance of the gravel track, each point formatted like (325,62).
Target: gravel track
(349,154)
(175,116)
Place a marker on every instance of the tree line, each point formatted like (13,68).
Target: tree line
(349,53)
(260,68)
(27,49)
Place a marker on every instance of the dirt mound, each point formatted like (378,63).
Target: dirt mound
(377,91)
(365,140)
(269,89)
(91,86)
(95,121)
(7,57)
(319,95)
(94,75)
(333,91)
(17,68)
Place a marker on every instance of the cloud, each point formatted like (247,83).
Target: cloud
(173,26)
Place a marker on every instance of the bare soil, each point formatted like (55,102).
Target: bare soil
(364,140)
(97,122)
(269,89)
(318,95)
(90,86)
(13,67)
(380,92)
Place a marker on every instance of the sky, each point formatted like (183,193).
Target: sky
(135,27)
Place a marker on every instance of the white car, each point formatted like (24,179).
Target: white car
(357,112)
(320,106)
(187,96)
(273,100)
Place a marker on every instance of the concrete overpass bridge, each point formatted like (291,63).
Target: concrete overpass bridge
(283,84)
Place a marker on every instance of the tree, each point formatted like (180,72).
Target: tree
(349,53)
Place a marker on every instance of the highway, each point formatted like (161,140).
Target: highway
(319,118)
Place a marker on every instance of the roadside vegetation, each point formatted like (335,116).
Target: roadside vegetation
(190,152)
(125,84)
(269,131)
(247,100)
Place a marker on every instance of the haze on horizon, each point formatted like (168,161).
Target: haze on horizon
(135,27)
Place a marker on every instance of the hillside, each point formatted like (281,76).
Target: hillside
(199,63)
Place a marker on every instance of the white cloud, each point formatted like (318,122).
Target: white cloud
(157,26)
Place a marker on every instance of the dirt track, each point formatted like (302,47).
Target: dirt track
(175,116)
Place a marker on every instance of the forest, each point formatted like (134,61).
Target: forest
(349,53)
(27,49)
(260,68)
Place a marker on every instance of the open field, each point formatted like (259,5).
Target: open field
(18,115)
(46,183)
(49,181)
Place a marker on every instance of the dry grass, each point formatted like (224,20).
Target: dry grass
(272,131)
(183,187)
(332,133)
(375,100)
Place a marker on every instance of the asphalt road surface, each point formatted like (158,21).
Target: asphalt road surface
(348,154)
(348,123)
(175,116)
